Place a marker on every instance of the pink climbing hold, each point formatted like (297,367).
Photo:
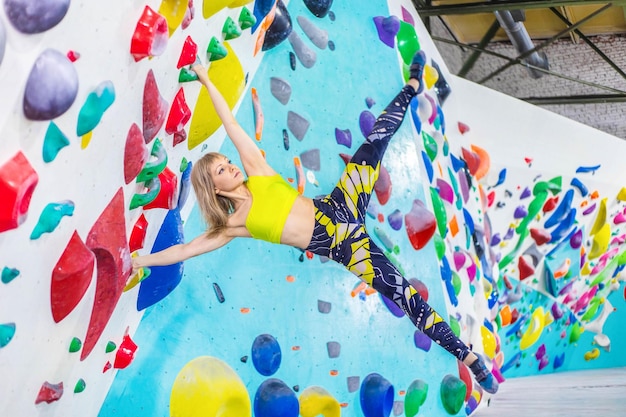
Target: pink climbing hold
(154,108)
(107,240)
(138,235)
(179,114)
(71,277)
(168,195)
(49,392)
(125,354)
(420,225)
(445,191)
(151,35)
(136,153)
(383,186)
(188,54)
(18,180)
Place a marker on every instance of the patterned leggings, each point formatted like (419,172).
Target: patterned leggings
(340,233)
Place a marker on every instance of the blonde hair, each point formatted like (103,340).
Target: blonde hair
(214,208)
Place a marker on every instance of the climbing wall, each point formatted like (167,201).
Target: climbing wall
(508,219)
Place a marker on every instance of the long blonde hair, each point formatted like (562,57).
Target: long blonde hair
(214,208)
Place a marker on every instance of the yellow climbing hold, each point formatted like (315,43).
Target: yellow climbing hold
(174,12)
(600,218)
(600,241)
(534,330)
(592,354)
(430,76)
(489,342)
(208,387)
(621,196)
(85,139)
(209,8)
(315,401)
(228,76)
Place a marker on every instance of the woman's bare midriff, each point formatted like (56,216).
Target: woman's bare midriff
(299,226)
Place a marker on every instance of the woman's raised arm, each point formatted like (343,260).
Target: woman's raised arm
(253,161)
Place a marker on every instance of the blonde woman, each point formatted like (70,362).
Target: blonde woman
(264,206)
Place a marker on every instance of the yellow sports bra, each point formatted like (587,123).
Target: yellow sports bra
(272,200)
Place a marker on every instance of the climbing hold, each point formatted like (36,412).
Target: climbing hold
(186,75)
(439,211)
(7,331)
(175,12)
(275,399)
(230,30)
(71,277)
(442,88)
(49,392)
(135,153)
(319,8)
(591,169)
(311,159)
(420,225)
(167,197)
(315,401)
(35,16)
(185,185)
(125,354)
(305,55)
(534,329)
(51,87)
(297,124)
(383,186)
(246,19)
(80,386)
(323,307)
(407,42)
(107,240)
(281,89)
(51,217)
(452,393)
(430,145)
(421,341)
(111,346)
(463,128)
(75,345)
(98,101)
(207,386)
(153,187)
(575,182)
(259,119)
(600,241)
(366,122)
(431,76)
(317,36)
(387,28)
(218,292)
(154,108)
(266,354)
(188,54)
(179,114)
(395,219)
(343,137)
(376,396)
(53,142)
(150,36)
(415,397)
(163,279)
(279,29)
(156,166)
(9,274)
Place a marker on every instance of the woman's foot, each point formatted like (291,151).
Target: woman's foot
(483,376)
(416,69)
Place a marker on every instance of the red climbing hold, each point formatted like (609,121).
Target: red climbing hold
(472,159)
(168,195)
(18,180)
(550,204)
(463,128)
(179,114)
(107,240)
(125,354)
(420,225)
(525,269)
(151,35)
(540,236)
(135,153)
(49,392)
(71,277)
(138,235)
(383,186)
(154,108)
(188,54)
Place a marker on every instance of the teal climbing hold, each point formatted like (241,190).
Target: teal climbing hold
(7,331)
(51,217)
(96,104)
(9,274)
(53,142)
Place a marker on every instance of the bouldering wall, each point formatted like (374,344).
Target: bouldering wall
(507,218)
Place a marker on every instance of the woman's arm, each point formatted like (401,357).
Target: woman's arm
(251,157)
(182,252)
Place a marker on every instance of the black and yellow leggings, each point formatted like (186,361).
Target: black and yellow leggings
(340,232)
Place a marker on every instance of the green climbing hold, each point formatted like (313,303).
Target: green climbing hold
(7,331)
(415,397)
(215,50)
(430,146)
(407,42)
(533,209)
(575,332)
(456,283)
(186,75)
(53,142)
(153,168)
(439,211)
(75,345)
(246,19)
(230,30)
(452,394)
(9,274)
(554,185)
(440,246)
(184,163)
(110,347)
(455,326)
(51,217)
(80,386)
(154,187)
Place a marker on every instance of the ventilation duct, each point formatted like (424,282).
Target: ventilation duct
(516,31)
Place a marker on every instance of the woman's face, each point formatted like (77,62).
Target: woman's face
(226,176)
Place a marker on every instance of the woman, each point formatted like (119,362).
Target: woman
(266,207)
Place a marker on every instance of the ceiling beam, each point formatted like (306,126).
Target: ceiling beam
(469,63)
(492,6)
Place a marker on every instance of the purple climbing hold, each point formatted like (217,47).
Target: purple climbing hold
(51,88)
(387,28)
(520,212)
(495,239)
(343,137)
(369,102)
(366,122)
(395,219)
(525,193)
(35,16)
(422,341)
